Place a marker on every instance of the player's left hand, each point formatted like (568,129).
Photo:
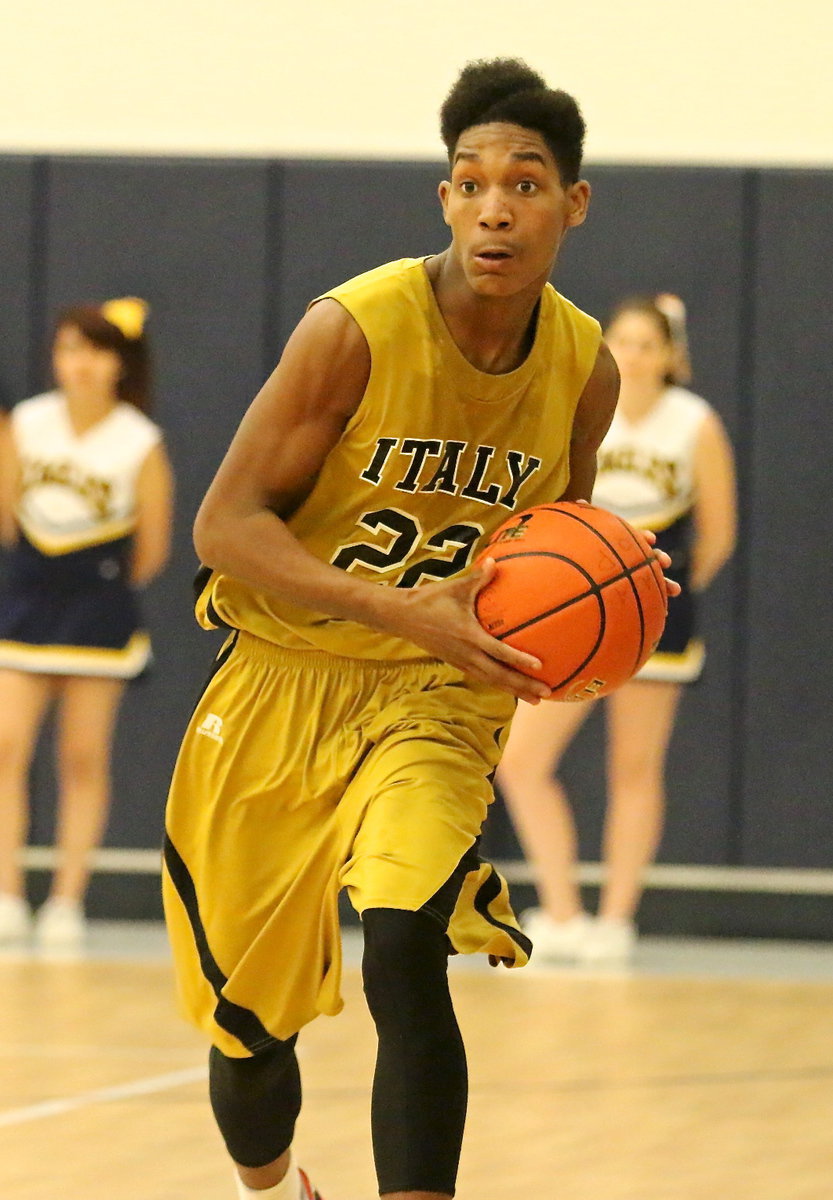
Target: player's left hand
(672,588)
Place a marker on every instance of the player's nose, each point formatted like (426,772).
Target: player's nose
(495,213)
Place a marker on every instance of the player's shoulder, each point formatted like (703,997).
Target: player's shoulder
(385,279)
(570,311)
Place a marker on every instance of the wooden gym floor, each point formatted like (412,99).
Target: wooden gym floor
(703,1074)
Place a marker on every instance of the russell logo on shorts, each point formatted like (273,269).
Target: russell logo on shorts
(211,726)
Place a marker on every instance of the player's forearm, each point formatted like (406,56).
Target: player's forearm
(260,550)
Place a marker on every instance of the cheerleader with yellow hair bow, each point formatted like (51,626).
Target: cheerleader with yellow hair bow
(87,517)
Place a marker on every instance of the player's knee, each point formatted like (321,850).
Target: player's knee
(256,1102)
(405,963)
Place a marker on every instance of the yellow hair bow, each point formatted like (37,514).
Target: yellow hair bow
(128,314)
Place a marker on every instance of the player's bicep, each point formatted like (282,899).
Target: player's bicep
(297,417)
(594,413)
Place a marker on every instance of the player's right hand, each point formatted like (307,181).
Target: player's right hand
(440,618)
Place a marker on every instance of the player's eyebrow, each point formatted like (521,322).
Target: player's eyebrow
(516,156)
(528,156)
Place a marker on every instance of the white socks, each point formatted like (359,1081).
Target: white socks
(289,1187)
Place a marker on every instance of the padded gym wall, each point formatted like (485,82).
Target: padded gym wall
(192,238)
(19,277)
(787,715)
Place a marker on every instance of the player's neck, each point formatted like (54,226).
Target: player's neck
(494,333)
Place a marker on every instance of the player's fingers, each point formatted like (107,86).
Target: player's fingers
(662,558)
(477,578)
(518,660)
(671,586)
(500,673)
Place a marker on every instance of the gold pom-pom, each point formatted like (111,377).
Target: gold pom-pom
(128,314)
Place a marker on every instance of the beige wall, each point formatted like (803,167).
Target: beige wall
(683,80)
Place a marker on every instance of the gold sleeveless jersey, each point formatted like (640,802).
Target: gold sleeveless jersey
(437,455)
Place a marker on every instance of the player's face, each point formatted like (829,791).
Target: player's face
(507,208)
(643,355)
(81,367)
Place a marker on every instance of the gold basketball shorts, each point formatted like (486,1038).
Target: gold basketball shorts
(300,774)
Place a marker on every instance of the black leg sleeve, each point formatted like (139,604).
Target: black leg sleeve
(256,1102)
(420,1088)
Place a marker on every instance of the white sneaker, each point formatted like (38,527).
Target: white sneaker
(610,940)
(555,941)
(15,920)
(60,925)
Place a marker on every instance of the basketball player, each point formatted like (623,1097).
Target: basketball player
(666,462)
(87,513)
(349,732)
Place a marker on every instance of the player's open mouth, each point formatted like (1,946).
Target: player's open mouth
(492,260)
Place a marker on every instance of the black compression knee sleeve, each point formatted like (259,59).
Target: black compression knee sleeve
(420,1087)
(256,1102)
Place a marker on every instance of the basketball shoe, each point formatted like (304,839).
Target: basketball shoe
(308,1192)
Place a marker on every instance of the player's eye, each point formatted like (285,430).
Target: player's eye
(528,187)
(468,187)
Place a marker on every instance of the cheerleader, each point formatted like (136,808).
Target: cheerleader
(665,464)
(86,515)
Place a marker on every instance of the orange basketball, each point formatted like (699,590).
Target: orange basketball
(581,590)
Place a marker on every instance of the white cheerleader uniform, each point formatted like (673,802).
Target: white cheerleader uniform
(646,475)
(66,606)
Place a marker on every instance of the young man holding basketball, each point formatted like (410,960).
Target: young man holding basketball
(348,734)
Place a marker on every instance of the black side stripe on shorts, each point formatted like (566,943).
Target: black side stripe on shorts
(497,735)
(441,905)
(202,580)
(220,661)
(488,891)
(240,1022)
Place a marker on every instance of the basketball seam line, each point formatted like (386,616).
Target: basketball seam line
(594,590)
(638,599)
(587,525)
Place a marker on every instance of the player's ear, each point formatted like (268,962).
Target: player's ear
(443,192)
(578,199)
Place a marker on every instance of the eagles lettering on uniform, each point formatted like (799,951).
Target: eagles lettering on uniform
(646,475)
(67,606)
(381,504)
